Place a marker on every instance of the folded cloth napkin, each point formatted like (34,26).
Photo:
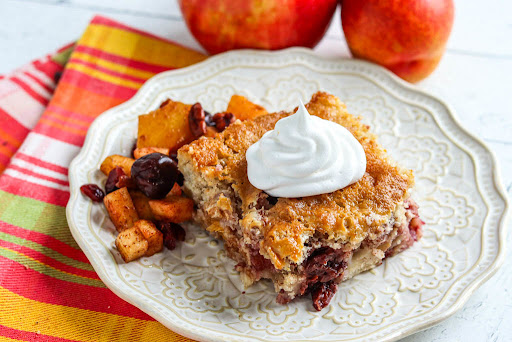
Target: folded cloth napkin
(24,95)
(48,289)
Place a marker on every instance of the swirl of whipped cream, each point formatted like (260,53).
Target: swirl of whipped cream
(305,155)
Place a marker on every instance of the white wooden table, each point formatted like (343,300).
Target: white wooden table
(474,76)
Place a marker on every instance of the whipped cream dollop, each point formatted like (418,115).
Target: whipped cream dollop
(305,155)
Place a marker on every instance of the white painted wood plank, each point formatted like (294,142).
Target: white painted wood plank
(164,9)
(32,29)
(156,8)
(482,27)
(477,88)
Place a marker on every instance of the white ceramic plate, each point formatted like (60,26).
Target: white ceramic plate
(194,291)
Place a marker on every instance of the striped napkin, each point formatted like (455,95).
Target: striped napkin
(24,94)
(48,289)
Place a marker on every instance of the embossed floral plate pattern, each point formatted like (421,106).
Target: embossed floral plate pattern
(194,291)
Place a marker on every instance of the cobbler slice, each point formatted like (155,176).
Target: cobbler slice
(304,245)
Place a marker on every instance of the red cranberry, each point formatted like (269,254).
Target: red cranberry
(223,120)
(325,264)
(113,179)
(172,232)
(259,262)
(323,294)
(125,181)
(93,192)
(155,174)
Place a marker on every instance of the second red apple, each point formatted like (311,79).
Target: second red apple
(406,36)
(221,25)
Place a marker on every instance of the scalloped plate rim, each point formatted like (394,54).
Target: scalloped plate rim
(462,297)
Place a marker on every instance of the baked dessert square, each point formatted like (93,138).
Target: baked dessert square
(305,245)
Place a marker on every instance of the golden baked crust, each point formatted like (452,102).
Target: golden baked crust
(348,216)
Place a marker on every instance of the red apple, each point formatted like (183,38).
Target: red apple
(221,25)
(406,36)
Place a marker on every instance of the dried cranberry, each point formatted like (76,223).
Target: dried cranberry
(125,181)
(155,174)
(223,120)
(325,264)
(259,262)
(322,294)
(172,233)
(93,192)
(196,120)
(113,179)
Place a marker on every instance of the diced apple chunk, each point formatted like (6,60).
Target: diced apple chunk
(154,237)
(173,209)
(131,244)
(121,209)
(141,203)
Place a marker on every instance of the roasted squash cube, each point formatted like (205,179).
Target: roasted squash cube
(115,160)
(244,109)
(166,127)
